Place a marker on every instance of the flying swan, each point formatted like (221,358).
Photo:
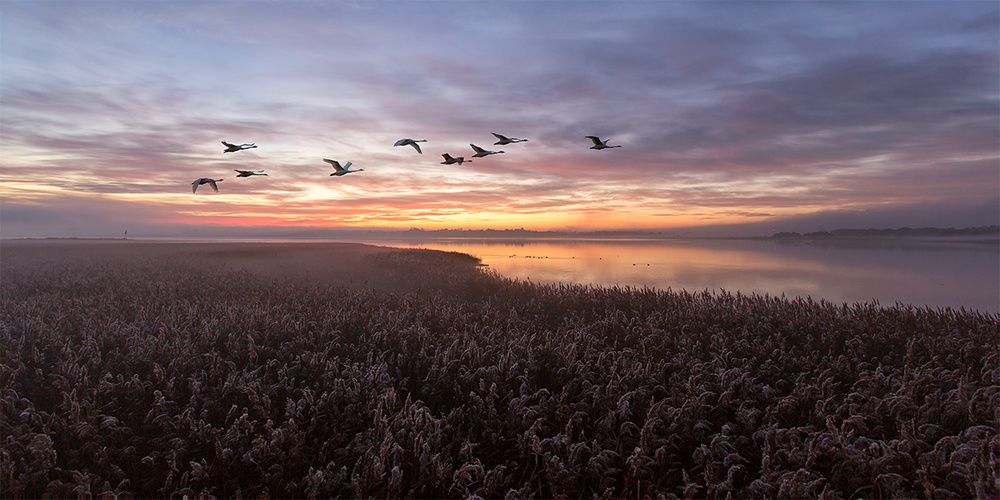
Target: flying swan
(342,170)
(248,173)
(600,145)
(480,152)
(233,147)
(411,142)
(506,140)
(205,180)
(448,160)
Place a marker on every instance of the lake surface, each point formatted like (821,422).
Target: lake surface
(932,273)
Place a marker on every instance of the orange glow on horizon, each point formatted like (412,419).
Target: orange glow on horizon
(240,210)
(424,219)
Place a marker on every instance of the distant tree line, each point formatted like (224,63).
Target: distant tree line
(894,233)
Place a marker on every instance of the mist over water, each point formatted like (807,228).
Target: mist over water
(934,273)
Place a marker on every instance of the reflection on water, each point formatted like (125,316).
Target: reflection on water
(918,272)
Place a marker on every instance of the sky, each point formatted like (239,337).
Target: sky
(735,116)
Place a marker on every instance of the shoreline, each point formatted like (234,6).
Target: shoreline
(320,257)
(431,236)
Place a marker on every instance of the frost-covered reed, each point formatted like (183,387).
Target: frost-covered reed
(416,374)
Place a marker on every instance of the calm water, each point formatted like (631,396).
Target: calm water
(919,272)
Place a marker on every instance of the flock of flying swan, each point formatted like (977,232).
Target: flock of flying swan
(346,169)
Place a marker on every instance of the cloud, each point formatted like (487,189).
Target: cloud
(915,215)
(724,111)
(76,216)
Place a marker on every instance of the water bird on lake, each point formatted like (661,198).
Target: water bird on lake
(233,147)
(411,142)
(248,173)
(448,160)
(598,144)
(480,152)
(342,170)
(205,180)
(506,140)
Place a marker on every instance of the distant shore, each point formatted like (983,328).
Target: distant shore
(985,233)
(329,262)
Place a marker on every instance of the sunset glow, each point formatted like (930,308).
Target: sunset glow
(776,115)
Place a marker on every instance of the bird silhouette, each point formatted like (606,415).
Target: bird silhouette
(598,144)
(411,142)
(480,152)
(205,180)
(503,141)
(248,173)
(233,147)
(339,170)
(448,160)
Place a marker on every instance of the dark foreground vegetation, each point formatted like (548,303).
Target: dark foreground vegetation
(350,371)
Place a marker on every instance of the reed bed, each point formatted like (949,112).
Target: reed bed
(418,374)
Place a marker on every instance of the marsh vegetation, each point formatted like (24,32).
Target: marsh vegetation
(352,371)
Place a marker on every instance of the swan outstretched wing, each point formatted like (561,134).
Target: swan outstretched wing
(448,159)
(504,140)
(335,163)
(204,180)
(410,142)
